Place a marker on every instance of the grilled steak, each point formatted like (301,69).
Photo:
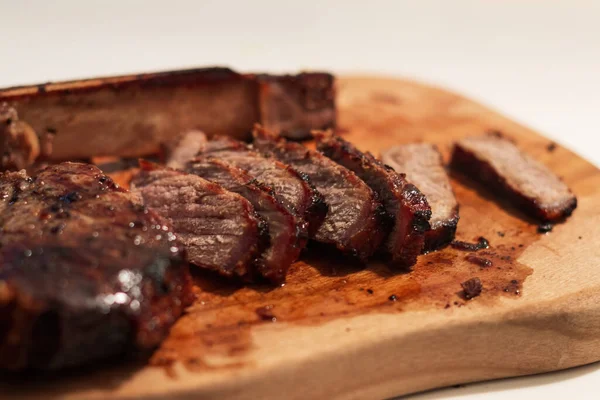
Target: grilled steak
(498,164)
(404,204)
(290,187)
(354,221)
(219,229)
(422,163)
(287,233)
(148,109)
(86,273)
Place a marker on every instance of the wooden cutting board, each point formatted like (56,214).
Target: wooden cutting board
(340,331)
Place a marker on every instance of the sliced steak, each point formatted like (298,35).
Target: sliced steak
(219,229)
(292,188)
(354,221)
(287,232)
(423,165)
(86,272)
(498,164)
(404,204)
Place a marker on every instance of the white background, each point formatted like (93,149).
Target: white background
(535,61)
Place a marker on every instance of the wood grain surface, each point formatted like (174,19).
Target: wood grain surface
(337,330)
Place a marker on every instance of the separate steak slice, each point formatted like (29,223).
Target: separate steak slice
(219,229)
(354,221)
(423,165)
(498,164)
(183,149)
(404,204)
(86,273)
(287,233)
(292,188)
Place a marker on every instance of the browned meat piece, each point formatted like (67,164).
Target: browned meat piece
(422,163)
(19,145)
(219,229)
(290,187)
(287,233)
(178,152)
(354,221)
(404,204)
(498,164)
(295,104)
(472,288)
(130,116)
(86,273)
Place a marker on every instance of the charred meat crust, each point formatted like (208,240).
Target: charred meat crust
(497,163)
(220,230)
(404,204)
(287,233)
(146,109)
(442,234)
(423,166)
(355,221)
(99,275)
(290,187)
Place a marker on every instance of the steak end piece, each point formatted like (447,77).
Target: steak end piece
(355,221)
(291,187)
(131,116)
(423,166)
(86,274)
(220,230)
(293,105)
(497,163)
(287,233)
(405,205)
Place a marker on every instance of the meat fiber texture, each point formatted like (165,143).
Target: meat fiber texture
(406,207)
(497,162)
(354,223)
(287,233)
(423,166)
(292,188)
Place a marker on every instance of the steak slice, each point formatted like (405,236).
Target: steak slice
(287,233)
(86,273)
(354,221)
(178,152)
(423,165)
(498,164)
(219,229)
(292,188)
(404,204)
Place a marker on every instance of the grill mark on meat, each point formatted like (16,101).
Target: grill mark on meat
(292,188)
(111,279)
(354,221)
(287,232)
(423,166)
(496,162)
(220,230)
(405,205)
